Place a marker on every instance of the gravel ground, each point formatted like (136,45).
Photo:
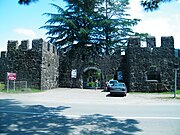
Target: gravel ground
(84,96)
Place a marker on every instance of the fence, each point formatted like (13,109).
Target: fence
(16,85)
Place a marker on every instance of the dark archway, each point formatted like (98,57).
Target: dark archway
(90,75)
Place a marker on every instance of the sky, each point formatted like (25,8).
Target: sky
(20,22)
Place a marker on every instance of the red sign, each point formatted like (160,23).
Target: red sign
(11,76)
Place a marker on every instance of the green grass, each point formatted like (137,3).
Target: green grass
(23,90)
(177,92)
(167,98)
(170,95)
(28,90)
(2,86)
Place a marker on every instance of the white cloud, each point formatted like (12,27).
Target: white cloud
(157,23)
(136,10)
(25,32)
(154,26)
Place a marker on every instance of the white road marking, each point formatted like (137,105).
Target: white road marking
(78,116)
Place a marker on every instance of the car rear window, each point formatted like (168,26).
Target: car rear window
(113,82)
(120,84)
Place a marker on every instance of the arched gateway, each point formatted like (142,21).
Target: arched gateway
(90,76)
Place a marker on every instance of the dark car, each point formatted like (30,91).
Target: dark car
(118,89)
(111,83)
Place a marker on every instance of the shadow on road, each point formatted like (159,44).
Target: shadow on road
(37,119)
(109,95)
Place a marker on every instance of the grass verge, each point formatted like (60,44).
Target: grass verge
(27,90)
(162,95)
(167,98)
(177,92)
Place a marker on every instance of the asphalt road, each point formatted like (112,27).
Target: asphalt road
(88,112)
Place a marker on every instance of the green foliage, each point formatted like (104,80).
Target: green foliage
(150,5)
(102,23)
(2,86)
(26,2)
(142,35)
(91,84)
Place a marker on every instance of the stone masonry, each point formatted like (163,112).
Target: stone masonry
(149,69)
(38,66)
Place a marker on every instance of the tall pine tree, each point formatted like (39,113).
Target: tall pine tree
(116,25)
(104,24)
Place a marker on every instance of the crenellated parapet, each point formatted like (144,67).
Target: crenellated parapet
(38,45)
(3,54)
(24,46)
(12,46)
(134,41)
(151,42)
(166,42)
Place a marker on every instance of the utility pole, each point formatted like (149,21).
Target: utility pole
(175,83)
(176,68)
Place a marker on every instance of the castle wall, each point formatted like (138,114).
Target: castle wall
(85,58)
(30,64)
(24,62)
(151,67)
(3,63)
(177,62)
(49,66)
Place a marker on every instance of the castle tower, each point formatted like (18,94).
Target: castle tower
(150,68)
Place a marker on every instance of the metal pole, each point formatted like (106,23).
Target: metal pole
(14,85)
(7,85)
(175,83)
(26,85)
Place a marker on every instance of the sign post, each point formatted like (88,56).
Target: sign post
(73,76)
(11,77)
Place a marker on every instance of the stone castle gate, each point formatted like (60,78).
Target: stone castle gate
(44,67)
